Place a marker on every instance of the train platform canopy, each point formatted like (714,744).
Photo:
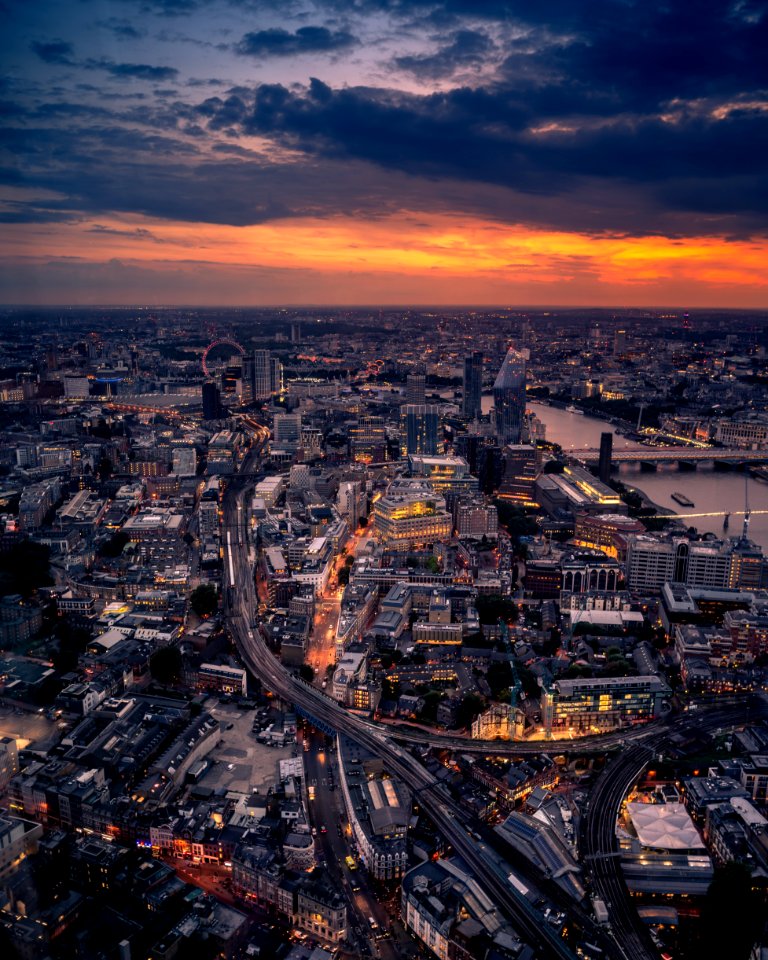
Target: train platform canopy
(664,826)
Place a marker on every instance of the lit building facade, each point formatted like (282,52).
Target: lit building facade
(600,704)
(422,425)
(411,514)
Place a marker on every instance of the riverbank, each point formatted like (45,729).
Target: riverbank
(714,492)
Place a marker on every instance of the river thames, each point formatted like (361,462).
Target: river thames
(712,491)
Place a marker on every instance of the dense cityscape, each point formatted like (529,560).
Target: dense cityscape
(322,639)
(383,480)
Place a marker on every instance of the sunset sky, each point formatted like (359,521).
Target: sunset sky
(255,152)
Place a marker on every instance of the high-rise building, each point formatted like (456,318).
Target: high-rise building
(522,465)
(287,429)
(473,385)
(211,401)
(509,398)
(247,378)
(262,376)
(415,388)
(606,452)
(295,333)
(422,422)
(599,704)
(261,372)
(619,343)
(276,375)
(368,439)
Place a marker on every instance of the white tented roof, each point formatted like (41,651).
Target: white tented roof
(664,826)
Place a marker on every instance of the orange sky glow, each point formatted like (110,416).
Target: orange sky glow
(464,260)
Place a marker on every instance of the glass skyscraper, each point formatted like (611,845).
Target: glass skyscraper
(473,385)
(422,424)
(509,398)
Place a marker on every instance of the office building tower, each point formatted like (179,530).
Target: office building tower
(261,375)
(654,561)
(619,343)
(415,388)
(422,422)
(473,385)
(248,375)
(368,439)
(509,398)
(295,333)
(211,401)
(521,468)
(276,375)
(287,429)
(606,451)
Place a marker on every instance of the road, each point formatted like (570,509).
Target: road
(449,818)
(335,844)
(321,649)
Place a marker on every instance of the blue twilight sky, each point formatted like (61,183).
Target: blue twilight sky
(238,151)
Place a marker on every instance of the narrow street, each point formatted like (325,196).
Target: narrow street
(334,845)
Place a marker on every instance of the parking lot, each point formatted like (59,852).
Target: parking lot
(28,729)
(241,764)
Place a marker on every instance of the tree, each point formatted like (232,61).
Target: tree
(433,564)
(731,915)
(515,519)
(431,700)
(343,576)
(104,468)
(165,665)
(554,466)
(493,608)
(204,600)
(306,672)
(390,689)
(113,547)
(471,706)
(363,522)
(72,641)
(24,568)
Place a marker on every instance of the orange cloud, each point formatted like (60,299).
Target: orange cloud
(412,245)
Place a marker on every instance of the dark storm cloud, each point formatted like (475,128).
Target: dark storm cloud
(54,51)
(485,136)
(616,115)
(137,71)
(468,48)
(277,42)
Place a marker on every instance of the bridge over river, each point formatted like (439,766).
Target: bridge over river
(673,454)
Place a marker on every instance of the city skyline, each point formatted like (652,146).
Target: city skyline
(429,153)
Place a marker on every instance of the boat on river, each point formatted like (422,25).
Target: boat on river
(682,499)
